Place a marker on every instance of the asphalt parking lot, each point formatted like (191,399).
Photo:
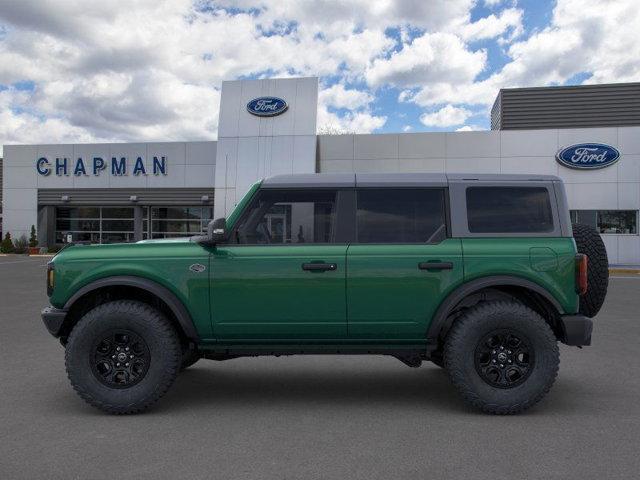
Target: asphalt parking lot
(315,417)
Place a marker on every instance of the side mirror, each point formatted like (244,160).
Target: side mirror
(217,231)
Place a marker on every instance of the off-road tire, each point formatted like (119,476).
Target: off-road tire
(589,242)
(148,324)
(189,357)
(467,334)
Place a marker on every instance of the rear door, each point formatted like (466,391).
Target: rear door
(402,263)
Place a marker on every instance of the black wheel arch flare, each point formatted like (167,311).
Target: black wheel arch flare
(167,296)
(439,320)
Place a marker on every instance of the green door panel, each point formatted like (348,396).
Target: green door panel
(164,262)
(549,262)
(389,297)
(262,292)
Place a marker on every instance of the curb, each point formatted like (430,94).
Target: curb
(626,271)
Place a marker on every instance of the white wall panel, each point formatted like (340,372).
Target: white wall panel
(473,165)
(20,177)
(473,144)
(421,165)
(200,153)
(336,147)
(535,165)
(592,196)
(601,175)
(336,166)
(305,107)
(421,145)
(571,136)
(628,249)
(628,196)
(628,168)
(304,154)
(629,140)
(611,244)
(529,143)
(200,176)
(375,146)
(229,116)
(375,166)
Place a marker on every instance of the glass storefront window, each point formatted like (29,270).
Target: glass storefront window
(94,224)
(608,221)
(167,222)
(117,225)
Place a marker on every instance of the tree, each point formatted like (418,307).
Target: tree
(33,238)
(7,244)
(20,245)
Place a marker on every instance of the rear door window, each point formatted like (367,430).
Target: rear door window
(509,210)
(401,215)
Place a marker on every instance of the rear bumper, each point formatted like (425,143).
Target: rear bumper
(53,319)
(576,330)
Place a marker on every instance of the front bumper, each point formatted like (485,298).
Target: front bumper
(576,330)
(53,319)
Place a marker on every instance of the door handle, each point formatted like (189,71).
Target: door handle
(319,267)
(435,265)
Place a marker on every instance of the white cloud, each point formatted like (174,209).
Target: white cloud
(469,128)
(447,116)
(151,69)
(432,57)
(492,3)
(509,20)
(338,96)
(407,128)
(590,36)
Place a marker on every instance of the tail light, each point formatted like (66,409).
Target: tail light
(582,285)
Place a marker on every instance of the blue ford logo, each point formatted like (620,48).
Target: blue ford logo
(588,156)
(267,106)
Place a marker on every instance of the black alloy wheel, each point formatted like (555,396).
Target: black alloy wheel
(120,359)
(504,358)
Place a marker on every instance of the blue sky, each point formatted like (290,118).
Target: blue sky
(145,70)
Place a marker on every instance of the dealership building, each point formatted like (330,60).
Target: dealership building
(587,135)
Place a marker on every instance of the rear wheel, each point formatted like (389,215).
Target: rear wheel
(122,356)
(502,357)
(589,242)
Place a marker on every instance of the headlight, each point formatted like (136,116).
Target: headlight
(51,278)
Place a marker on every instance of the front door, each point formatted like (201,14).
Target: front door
(282,276)
(402,264)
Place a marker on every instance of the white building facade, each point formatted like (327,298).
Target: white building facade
(127,192)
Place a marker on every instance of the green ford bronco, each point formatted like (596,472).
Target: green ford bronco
(482,275)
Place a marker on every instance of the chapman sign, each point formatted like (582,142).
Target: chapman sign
(267,106)
(588,156)
(96,165)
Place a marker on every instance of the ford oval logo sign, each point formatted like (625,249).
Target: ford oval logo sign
(588,156)
(267,106)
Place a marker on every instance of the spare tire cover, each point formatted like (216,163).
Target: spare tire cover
(589,242)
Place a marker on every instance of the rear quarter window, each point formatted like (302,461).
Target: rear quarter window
(509,210)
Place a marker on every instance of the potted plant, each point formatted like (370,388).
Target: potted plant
(7,244)
(33,242)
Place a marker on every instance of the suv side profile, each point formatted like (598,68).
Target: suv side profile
(480,274)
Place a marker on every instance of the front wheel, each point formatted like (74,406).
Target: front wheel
(502,357)
(122,356)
